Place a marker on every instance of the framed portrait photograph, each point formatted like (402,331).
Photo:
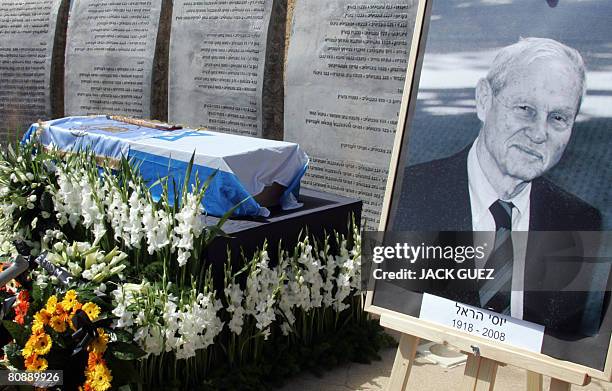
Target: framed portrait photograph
(502,169)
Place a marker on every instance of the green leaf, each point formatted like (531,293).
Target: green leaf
(13,353)
(153,270)
(124,373)
(126,351)
(187,175)
(85,295)
(37,294)
(123,335)
(17,331)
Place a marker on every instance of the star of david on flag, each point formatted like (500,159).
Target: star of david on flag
(175,137)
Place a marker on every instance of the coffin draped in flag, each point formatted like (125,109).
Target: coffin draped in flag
(243,166)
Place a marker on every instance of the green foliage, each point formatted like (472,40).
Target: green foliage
(12,352)
(18,332)
(283,359)
(126,351)
(124,374)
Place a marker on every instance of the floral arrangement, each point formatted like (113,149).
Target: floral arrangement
(57,316)
(143,306)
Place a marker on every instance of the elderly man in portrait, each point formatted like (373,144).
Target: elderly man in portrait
(527,103)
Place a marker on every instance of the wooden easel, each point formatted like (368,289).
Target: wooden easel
(479,374)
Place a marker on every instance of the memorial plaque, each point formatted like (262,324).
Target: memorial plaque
(344,89)
(217,61)
(27,35)
(109,57)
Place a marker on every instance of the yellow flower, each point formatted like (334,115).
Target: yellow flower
(42,344)
(98,345)
(28,349)
(70,299)
(57,324)
(99,378)
(43,317)
(34,363)
(92,311)
(37,326)
(51,303)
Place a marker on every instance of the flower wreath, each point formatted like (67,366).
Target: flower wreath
(58,316)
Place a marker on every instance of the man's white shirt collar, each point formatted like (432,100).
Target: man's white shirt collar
(482,195)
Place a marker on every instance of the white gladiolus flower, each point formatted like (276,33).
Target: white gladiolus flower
(157,223)
(134,227)
(234,296)
(177,325)
(154,340)
(261,286)
(189,226)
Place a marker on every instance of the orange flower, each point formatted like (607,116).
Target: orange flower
(30,359)
(20,317)
(77,306)
(95,358)
(35,363)
(23,296)
(61,313)
(21,309)
(57,324)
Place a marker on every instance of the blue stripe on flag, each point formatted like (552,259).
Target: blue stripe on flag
(223,193)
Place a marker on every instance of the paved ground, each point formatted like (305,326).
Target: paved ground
(424,377)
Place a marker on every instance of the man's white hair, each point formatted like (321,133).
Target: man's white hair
(526,51)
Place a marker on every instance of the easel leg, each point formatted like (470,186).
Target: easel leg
(470,374)
(403,363)
(559,385)
(486,375)
(534,381)
(479,374)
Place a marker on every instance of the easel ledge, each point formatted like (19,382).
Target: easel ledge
(480,369)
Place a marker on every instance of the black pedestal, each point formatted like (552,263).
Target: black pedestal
(321,213)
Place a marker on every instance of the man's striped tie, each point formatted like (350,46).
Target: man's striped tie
(495,293)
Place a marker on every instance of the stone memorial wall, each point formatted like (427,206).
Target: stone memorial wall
(109,57)
(217,63)
(330,78)
(344,84)
(27,36)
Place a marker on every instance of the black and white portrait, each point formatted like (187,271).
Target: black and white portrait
(510,132)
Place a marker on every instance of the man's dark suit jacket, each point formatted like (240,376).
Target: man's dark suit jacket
(435,197)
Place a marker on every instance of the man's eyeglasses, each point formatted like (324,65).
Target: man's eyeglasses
(560,121)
